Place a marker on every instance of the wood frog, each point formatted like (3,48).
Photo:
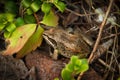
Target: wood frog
(66,44)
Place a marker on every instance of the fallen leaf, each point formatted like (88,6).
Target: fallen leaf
(34,41)
(18,38)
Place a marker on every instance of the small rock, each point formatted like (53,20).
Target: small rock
(12,69)
(46,67)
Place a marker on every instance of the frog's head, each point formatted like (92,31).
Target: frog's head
(49,36)
(53,33)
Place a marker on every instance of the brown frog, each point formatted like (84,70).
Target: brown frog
(66,44)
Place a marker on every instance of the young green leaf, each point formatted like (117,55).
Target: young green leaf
(50,19)
(74,67)
(29,19)
(11,27)
(56,79)
(46,7)
(78,63)
(2,26)
(35,6)
(66,74)
(33,42)
(3,19)
(29,11)
(72,63)
(18,38)
(83,66)
(55,1)
(19,22)
(26,3)
(70,67)
(7,34)
(73,59)
(9,17)
(60,5)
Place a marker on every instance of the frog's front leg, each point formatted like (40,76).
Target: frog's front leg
(54,54)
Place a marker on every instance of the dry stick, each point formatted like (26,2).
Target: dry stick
(106,65)
(36,17)
(112,35)
(37,20)
(99,36)
(78,14)
(100,32)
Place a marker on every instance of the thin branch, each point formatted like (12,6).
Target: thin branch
(78,14)
(36,17)
(100,31)
(99,36)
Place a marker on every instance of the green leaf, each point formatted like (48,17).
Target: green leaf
(26,3)
(18,38)
(78,62)
(72,63)
(73,59)
(66,74)
(11,27)
(74,67)
(29,19)
(29,11)
(56,79)
(46,7)
(9,17)
(118,78)
(34,41)
(83,66)
(35,6)
(50,19)
(7,34)
(78,65)
(6,17)
(70,67)
(3,19)
(2,26)
(55,1)
(19,22)
(60,5)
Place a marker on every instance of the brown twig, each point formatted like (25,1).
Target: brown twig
(36,17)
(99,36)
(78,14)
(37,20)
(106,65)
(112,35)
(100,31)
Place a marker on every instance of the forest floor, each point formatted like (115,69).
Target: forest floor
(99,20)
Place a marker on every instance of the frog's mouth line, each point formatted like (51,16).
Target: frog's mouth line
(50,41)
